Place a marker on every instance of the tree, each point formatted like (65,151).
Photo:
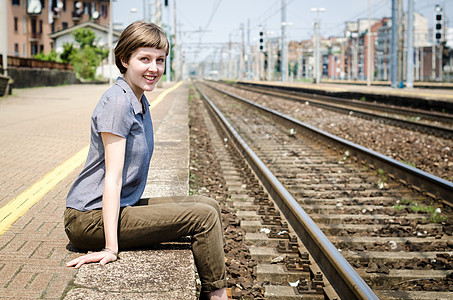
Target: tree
(68,50)
(85,58)
(84,37)
(88,56)
(85,62)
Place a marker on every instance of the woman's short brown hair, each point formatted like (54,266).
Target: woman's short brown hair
(137,35)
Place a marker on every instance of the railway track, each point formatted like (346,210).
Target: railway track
(368,214)
(426,152)
(435,123)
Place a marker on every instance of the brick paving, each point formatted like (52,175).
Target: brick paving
(40,128)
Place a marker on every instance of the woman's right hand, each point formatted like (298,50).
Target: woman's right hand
(103,257)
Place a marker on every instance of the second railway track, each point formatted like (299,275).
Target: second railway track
(373,220)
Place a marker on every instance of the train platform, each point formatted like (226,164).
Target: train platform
(44,133)
(440,99)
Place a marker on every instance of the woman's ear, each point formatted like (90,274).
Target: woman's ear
(123,63)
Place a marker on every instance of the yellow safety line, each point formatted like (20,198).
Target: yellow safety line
(17,207)
(163,94)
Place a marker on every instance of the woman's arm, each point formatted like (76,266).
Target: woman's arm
(115,150)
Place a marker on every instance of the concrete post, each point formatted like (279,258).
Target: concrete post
(368,76)
(242,62)
(284,59)
(400,44)
(168,61)
(394,48)
(4,34)
(110,41)
(410,45)
(249,53)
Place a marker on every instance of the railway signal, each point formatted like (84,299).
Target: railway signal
(439,21)
(261,39)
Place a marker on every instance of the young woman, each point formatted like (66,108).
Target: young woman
(104,212)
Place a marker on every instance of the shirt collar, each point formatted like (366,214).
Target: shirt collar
(132,98)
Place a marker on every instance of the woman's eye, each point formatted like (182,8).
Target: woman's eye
(144,59)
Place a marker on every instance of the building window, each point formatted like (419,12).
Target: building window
(64,5)
(16,24)
(52,27)
(65,25)
(34,49)
(24,25)
(33,26)
(40,26)
(16,49)
(86,7)
(43,3)
(16,2)
(41,48)
(104,10)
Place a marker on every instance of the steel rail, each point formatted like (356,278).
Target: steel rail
(424,128)
(434,186)
(342,276)
(297,95)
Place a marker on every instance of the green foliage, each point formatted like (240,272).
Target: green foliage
(433,213)
(408,163)
(68,49)
(52,56)
(84,37)
(85,62)
(399,207)
(87,57)
(102,52)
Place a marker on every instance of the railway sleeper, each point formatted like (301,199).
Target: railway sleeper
(413,295)
(394,277)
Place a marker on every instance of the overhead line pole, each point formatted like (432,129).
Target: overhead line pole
(410,45)
(400,44)
(368,76)
(110,41)
(284,59)
(242,62)
(175,43)
(248,53)
(4,34)
(316,51)
(394,49)
(168,61)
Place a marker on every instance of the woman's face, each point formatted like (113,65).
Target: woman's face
(144,68)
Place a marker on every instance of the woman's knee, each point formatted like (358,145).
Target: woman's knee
(207,216)
(211,202)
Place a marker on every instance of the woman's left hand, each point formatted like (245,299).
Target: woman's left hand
(102,257)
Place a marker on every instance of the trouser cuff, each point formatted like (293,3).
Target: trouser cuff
(212,286)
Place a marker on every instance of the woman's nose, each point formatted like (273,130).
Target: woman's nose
(152,66)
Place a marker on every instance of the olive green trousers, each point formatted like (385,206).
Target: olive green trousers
(157,220)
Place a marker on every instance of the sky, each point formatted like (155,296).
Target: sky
(210,24)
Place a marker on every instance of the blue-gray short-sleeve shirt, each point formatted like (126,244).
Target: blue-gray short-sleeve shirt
(118,112)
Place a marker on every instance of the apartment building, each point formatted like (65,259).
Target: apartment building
(31,21)
(384,44)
